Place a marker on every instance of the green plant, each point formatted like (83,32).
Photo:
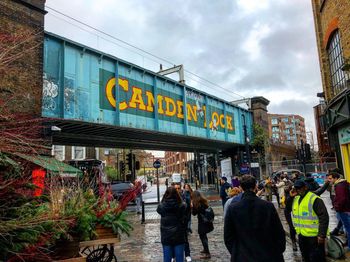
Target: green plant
(112,173)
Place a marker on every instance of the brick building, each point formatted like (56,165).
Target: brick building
(21,39)
(332,27)
(175,162)
(286,129)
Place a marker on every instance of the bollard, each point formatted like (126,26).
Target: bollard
(143,212)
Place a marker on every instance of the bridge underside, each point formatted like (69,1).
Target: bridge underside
(80,133)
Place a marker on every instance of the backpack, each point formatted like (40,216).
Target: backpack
(208,216)
(335,247)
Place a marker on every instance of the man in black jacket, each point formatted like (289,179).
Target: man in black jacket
(253,231)
(223,190)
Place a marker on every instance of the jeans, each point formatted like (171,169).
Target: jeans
(345,218)
(138,203)
(204,240)
(311,250)
(173,251)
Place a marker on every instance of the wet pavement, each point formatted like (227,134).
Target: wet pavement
(144,242)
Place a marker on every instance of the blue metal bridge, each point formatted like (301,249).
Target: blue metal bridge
(99,100)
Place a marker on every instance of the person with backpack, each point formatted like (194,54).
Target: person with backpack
(341,201)
(172,225)
(201,209)
(253,231)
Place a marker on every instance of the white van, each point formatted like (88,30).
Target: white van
(176,178)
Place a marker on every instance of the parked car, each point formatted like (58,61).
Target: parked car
(320,177)
(120,187)
(290,173)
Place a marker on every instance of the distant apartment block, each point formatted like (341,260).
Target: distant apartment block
(175,162)
(286,129)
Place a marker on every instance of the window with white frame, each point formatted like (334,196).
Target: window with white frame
(78,152)
(336,62)
(58,152)
(274,121)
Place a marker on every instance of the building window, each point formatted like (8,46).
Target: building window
(336,61)
(78,152)
(277,136)
(275,129)
(58,152)
(285,119)
(274,121)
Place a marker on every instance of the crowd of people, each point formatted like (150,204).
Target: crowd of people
(252,227)
(305,212)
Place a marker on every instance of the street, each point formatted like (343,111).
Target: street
(144,241)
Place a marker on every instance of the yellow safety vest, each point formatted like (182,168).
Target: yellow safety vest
(304,218)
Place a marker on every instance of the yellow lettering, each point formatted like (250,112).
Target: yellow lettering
(123,83)
(229,122)
(150,101)
(180,105)
(160,104)
(191,112)
(205,116)
(222,121)
(136,98)
(169,102)
(214,120)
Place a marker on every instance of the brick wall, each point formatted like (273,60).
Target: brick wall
(22,28)
(330,14)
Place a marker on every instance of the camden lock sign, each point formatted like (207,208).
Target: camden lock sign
(137,98)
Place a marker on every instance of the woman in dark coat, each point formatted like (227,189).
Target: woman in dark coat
(172,225)
(200,204)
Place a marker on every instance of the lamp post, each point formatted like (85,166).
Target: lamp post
(246,140)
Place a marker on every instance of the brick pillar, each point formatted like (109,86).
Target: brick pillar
(22,24)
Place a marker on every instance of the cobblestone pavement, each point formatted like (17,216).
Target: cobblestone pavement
(144,242)
(144,245)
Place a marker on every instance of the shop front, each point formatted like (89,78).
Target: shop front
(344,142)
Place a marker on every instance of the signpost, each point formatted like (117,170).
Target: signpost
(156,165)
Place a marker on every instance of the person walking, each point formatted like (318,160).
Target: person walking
(341,201)
(281,185)
(310,220)
(223,190)
(172,225)
(186,198)
(253,231)
(199,205)
(235,195)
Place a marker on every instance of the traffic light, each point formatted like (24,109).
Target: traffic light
(129,161)
(122,167)
(307,152)
(137,165)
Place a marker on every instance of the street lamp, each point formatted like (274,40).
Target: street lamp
(246,140)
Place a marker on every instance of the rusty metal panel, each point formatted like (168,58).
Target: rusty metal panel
(80,84)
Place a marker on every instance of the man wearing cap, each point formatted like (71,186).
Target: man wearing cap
(310,219)
(223,190)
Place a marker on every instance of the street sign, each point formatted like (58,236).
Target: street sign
(156,164)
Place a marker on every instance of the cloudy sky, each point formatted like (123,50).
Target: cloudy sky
(246,47)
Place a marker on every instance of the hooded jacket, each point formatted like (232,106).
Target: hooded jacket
(172,222)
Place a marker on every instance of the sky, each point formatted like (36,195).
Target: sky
(245,48)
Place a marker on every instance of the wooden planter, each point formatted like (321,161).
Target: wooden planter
(104,232)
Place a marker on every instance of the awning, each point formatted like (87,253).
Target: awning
(52,165)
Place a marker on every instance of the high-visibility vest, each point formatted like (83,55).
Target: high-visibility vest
(304,218)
